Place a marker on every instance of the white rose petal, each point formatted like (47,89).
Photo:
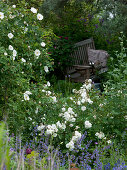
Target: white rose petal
(10,35)
(39,17)
(33,10)
(1,15)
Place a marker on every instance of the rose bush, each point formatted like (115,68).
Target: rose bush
(24,61)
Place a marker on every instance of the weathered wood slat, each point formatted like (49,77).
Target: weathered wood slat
(80,55)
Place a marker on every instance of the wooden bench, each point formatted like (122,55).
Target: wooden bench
(80,70)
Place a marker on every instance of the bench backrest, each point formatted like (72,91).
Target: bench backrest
(80,54)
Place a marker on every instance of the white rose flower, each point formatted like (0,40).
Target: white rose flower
(63,109)
(37,52)
(96,134)
(83,100)
(33,10)
(73,119)
(48,83)
(88,124)
(89,81)
(46,69)
(14,53)
(39,17)
(78,103)
(48,92)
(88,87)
(100,135)
(23,60)
(77,127)
(58,124)
(63,126)
(41,127)
(66,116)
(70,110)
(13,6)
(43,90)
(43,44)
(54,99)
(26,97)
(70,145)
(74,90)
(11,16)
(25,29)
(109,141)
(36,111)
(83,108)
(61,114)
(77,136)
(100,105)
(10,47)
(125,117)
(84,94)
(10,35)
(5,54)
(1,15)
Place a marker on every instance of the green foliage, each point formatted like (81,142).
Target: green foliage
(60,52)
(4,148)
(118,69)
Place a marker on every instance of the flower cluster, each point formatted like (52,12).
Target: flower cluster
(83,94)
(75,138)
(39,16)
(68,115)
(51,130)
(14,52)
